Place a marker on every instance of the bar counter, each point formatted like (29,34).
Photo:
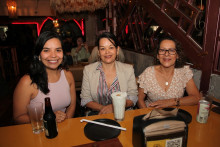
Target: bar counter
(71,131)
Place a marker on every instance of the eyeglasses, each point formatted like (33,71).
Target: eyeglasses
(171,51)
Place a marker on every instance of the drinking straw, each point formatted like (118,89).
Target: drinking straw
(103,124)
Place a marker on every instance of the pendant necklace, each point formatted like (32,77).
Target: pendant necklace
(167,79)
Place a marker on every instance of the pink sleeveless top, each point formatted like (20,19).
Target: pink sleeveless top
(59,94)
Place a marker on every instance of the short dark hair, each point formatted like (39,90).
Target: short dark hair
(37,70)
(111,37)
(83,39)
(180,62)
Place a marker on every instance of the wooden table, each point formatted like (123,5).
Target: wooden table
(71,132)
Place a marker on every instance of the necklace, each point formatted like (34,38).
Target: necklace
(166,79)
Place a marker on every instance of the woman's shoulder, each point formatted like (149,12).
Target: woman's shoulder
(146,76)
(184,69)
(68,74)
(92,65)
(26,81)
(149,69)
(147,72)
(184,73)
(124,65)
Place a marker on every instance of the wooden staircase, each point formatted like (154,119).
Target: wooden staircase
(142,22)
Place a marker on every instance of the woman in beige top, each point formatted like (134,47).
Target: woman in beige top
(164,84)
(102,78)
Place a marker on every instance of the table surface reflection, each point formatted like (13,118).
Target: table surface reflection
(71,131)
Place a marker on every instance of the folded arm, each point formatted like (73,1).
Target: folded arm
(192,98)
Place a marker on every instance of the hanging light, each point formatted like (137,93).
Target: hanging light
(56,23)
(12,6)
(201,6)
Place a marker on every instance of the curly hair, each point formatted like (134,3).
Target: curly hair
(37,70)
(180,61)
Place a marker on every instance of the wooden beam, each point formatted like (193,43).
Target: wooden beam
(191,48)
(210,41)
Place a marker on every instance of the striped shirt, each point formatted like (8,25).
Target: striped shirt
(104,93)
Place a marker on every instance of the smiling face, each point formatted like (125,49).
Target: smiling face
(107,51)
(52,54)
(167,60)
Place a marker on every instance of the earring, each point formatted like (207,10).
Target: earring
(117,58)
(99,59)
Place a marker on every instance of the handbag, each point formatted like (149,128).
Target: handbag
(160,128)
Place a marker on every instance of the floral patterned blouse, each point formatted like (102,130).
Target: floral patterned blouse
(147,80)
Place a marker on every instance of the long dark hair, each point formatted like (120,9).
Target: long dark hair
(180,62)
(111,37)
(37,69)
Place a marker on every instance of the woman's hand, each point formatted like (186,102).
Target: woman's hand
(106,109)
(163,103)
(60,116)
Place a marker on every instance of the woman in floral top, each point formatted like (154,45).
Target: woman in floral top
(164,83)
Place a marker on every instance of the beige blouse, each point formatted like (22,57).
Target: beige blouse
(148,82)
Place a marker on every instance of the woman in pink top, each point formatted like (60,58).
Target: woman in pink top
(46,79)
(163,85)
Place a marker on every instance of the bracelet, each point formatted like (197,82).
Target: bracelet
(177,102)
